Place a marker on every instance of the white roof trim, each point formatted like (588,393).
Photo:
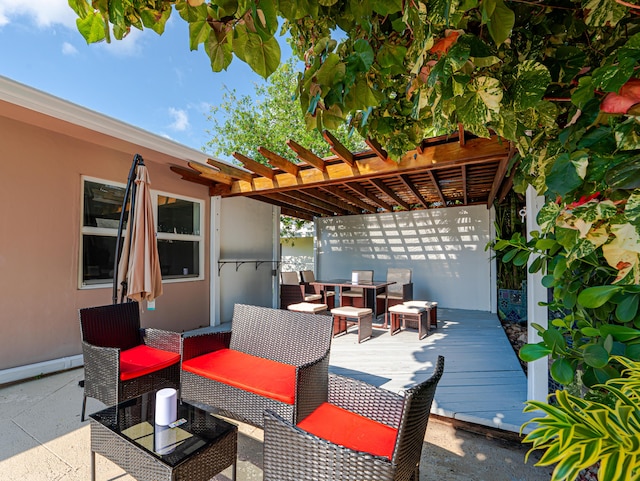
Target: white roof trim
(38,101)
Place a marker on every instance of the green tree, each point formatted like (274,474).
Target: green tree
(268,118)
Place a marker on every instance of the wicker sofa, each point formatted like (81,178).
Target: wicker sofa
(271,359)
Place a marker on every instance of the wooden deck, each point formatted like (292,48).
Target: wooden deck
(483,382)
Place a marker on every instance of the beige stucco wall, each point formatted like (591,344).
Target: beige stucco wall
(40,196)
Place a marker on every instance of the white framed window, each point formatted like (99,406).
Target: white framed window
(179,224)
(180,238)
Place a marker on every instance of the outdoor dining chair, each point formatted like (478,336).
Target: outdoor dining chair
(123,361)
(328,296)
(397,293)
(292,291)
(361,432)
(355,296)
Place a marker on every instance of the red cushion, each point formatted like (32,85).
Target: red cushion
(350,430)
(142,360)
(264,377)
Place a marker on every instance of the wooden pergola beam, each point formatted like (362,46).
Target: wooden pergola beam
(338,149)
(386,190)
(499,177)
(437,187)
(292,201)
(338,192)
(373,198)
(286,209)
(377,148)
(464,184)
(279,161)
(414,190)
(231,171)
(254,166)
(461,138)
(314,201)
(190,175)
(307,156)
(332,200)
(313,198)
(211,173)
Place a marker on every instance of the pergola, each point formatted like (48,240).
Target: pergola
(452,170)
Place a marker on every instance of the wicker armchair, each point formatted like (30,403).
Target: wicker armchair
(292,291)
(358,416)
(260,336)
(121,360)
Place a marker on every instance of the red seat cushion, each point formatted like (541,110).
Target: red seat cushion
(350,430)
(142,360)
(261,376)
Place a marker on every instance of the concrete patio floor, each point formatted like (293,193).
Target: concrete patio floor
(43,438)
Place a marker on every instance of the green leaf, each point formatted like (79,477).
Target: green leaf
(593,297)
(604,13)
(596,356)
(590,331)
(620,333)
(199,32)
(521,259)
(363,56)
(628,308)
(219,50)
(562,371)
(92,27)
(554,339)
(533,352)
(501,21)
(532,80)
(262,56)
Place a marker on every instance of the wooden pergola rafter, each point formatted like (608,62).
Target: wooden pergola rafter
(448,170)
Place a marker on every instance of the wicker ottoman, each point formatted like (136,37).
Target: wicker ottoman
(308,307)
(401,314)
(432,310)
(345,316)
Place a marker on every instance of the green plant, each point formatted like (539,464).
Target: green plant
(576,433)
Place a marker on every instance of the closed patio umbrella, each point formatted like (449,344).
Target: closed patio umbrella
(138,271)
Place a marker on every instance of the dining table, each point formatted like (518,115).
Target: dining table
(371,291)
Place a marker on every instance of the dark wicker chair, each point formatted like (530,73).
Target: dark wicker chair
(293,338)
(328,293)
(292,291)
(121,360)
(293,454)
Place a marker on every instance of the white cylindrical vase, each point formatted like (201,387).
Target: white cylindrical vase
(166,406)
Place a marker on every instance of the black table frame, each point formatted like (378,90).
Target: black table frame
(209,448)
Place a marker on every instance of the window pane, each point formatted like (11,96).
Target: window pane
(98,254)
(178,216)
(179,258)
(102,205)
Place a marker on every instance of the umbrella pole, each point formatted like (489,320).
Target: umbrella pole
(129,193)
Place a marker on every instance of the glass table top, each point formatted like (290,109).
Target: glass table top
(134,421)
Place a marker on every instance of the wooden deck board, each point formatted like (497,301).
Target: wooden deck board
(482,383)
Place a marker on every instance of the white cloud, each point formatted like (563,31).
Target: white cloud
(43,13)
(180,119)
(68,49)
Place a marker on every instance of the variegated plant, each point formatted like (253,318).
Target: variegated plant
(576,433)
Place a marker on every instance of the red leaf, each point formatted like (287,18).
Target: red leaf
(443,45)
(621,102)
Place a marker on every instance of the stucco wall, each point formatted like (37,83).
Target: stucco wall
(40,197)
(443,247)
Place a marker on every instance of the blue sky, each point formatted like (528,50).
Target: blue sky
(150,81)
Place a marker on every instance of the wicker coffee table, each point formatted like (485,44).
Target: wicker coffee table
(195,451)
